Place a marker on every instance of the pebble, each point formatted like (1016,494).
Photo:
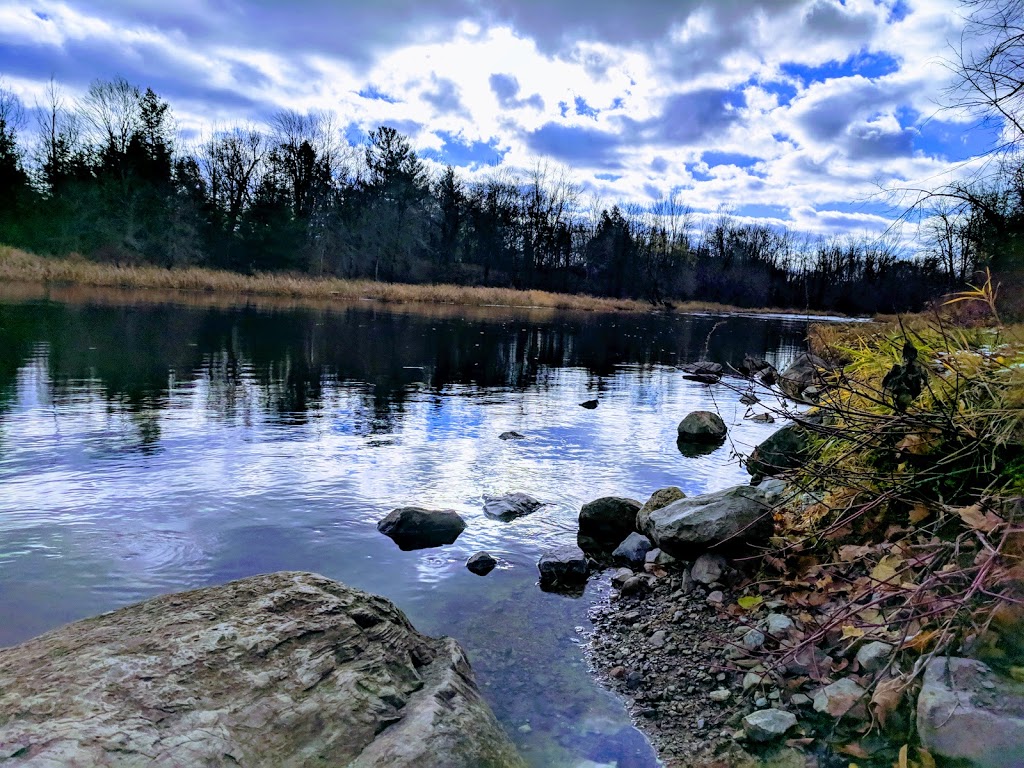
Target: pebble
(777,624)
(721,695)
(658,638)
(753,639)
(768,724)
(716,597)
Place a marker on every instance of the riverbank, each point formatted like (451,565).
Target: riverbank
(17,266)
(891,565)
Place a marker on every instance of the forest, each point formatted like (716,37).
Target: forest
(108,177)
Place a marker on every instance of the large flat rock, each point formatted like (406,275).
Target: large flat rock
(967,712)
(726,519)
(283,669)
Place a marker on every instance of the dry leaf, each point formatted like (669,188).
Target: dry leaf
(919,513)
(886,569)
(851,552)
(977,518)
(886,698)
(850,631)
(904,751)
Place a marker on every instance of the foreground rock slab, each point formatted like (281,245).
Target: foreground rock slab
(283,669)
(418,528)
(967,712)
(563,568)
(605,522)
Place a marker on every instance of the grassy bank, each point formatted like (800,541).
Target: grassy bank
(18,266)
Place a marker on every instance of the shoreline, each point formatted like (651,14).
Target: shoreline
(17,266)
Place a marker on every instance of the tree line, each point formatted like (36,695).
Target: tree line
(106,176)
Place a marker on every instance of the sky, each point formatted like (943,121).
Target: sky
(805,113)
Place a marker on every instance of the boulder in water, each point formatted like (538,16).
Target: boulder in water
(418,528)
(702,427)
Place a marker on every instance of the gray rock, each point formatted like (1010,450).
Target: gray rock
(717,597)
(633,550)
(510,506)
(605,522)
(728,518)
(563,567)
(839,698)
(481,563)
(749,398)
(873,656)
(753,639)
(658,639)
(720,695)
(621,576)
(247,673)
(786,449)
(777,624)
(807,370)
(702,427)
(967,712)
(511,436)
(708,568)
(660,498)
(418,528)
(704,367)
(800,700)
(658,557)
(762,418)
(636,585)
(768,724)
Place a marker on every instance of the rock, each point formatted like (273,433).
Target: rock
(590,404)
(717,597)
(708,568)
(481,563)
(510,506)
(720,696)
(967,712)
(511,436)
(657,557)
(786,449)
(704,367)
(660,498)
(248,673)
(621,576)
(839,698)
(702,427)
(418,528)
(564,567)
(777,624)
(686,583)
(633,550)
(753,639)
(727,518)
(658,639)
(752,680)
(873,656)
(605,522)
(703,378)
(763,418)
(800,700)
(768,724)
(805,371)
(636,585)
(749,398)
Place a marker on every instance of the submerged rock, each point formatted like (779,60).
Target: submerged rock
(729,518)
(481,563)
(510,506)
(281,669)
(563,568)
(702,427)
(511,435)
(605,522)
(418,528)
(590,404)
(967,712)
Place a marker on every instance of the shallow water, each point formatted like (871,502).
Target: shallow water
(152,447)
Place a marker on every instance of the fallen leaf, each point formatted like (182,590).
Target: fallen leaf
(919,513)
(925,758)
(851,552)
(748,602)
(855,750)
(977,518)
(886,569)
(904,751)
(920,641)
(886,698)
(850,631)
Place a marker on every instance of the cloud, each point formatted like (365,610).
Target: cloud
(506,89)
(445,97)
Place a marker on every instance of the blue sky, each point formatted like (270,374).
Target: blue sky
(796,111)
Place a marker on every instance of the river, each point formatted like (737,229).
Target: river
(158,443)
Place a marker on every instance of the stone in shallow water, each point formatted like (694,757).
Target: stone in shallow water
(565,567)
(419,528)
(702,427)
(481,563)
(510,506)
(253,670)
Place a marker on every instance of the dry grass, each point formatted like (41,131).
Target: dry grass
(17,266)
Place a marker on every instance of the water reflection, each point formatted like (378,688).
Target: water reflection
(151,447)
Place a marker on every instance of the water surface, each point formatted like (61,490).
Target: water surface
(151,447)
